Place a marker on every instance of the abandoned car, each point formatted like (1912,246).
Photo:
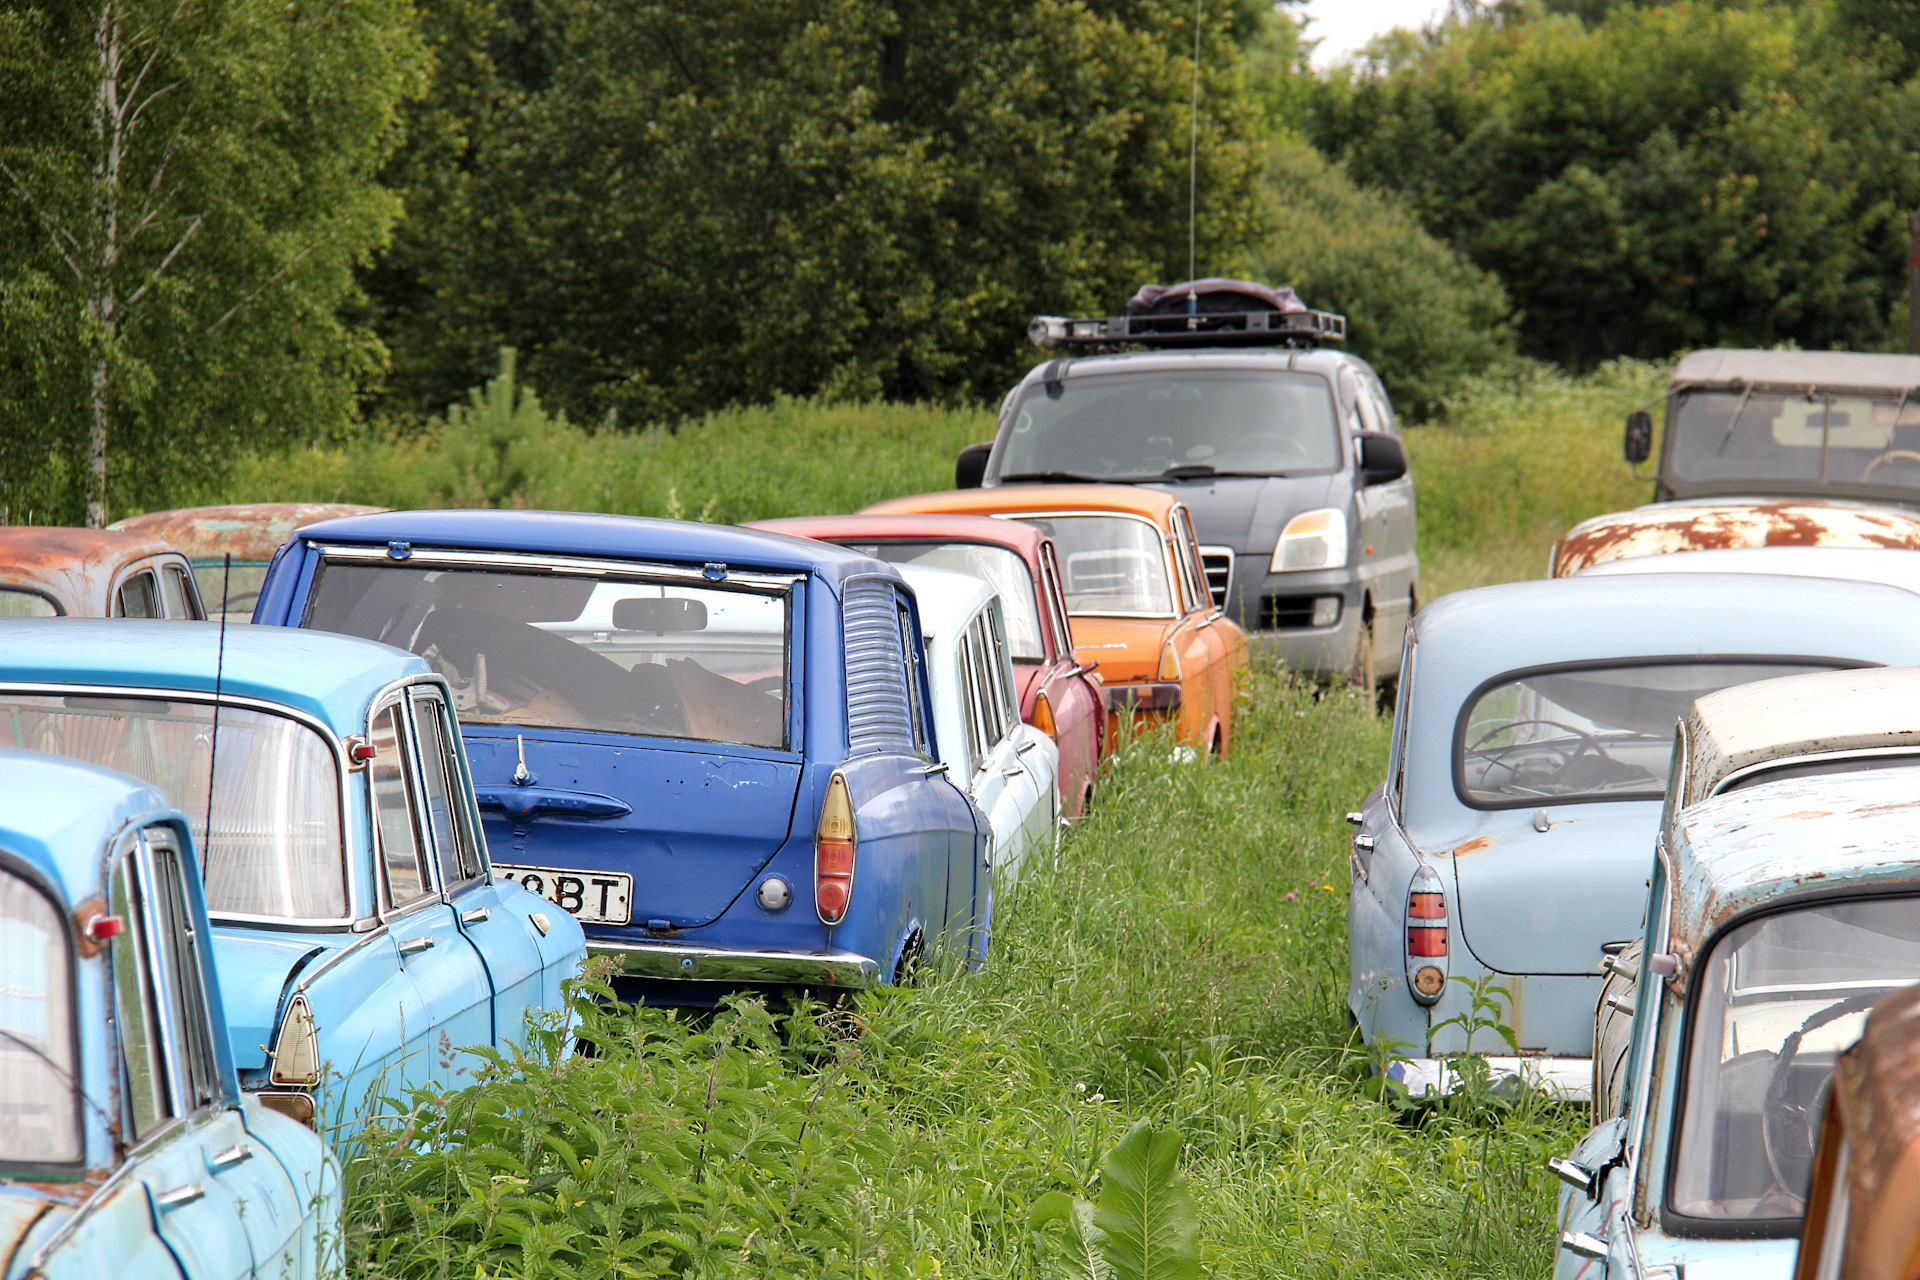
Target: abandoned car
(48,571)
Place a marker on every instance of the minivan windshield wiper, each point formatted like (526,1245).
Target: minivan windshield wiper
(1056,477)
(1201,471)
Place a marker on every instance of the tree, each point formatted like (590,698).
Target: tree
(672,205)
(185,188)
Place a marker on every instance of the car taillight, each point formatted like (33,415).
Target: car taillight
(1426,922)
(833,851)
(296,1053)
(1043,715)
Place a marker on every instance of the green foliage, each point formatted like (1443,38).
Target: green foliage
(1675,176)
(668,206)
(498,447)
(1145,1226)
(185,191)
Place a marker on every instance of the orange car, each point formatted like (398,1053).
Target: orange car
(1136,593)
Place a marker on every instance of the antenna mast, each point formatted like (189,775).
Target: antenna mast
(1193,143)
(219,676)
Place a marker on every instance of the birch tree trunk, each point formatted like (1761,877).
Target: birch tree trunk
(109,124)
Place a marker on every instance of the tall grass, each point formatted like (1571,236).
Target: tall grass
(1182,963)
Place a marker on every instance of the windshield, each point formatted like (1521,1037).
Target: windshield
(1110,564)
(1850,441)
(276,847)
(1145,426)
(39,1101)
(1001,569)
(1778,1000)
(1586,733)
(548,651)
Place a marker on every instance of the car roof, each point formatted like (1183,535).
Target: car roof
(1893,566)
(57,815)
(1739,851)
(249,530)
(948,598)
(1798,370)
(1464,640)
(1709,524)
(331,677)
(1319,360)
(72,564)
(1024,499)
(1826,711)
(574,533)
(1013,534)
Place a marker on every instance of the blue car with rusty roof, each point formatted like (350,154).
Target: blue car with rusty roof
(362,938)
(711,745)
(127,1147)
(1511,839)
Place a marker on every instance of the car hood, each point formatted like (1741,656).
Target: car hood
(1546,902)
(255,966)
(1247,513)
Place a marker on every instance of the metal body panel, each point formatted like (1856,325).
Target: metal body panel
(1731,523)
(80,570)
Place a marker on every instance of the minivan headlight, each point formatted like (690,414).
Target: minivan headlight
(1312,540)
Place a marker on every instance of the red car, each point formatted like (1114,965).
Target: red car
(1058,695)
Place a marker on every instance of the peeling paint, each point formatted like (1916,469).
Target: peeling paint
(1707,526)
(74,567)
(1474,845)
(249,530)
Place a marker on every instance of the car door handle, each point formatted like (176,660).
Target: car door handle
(524,802)
(478,915)
(413,946)
(935,770)
(1012,771)
(238,1153)
(1030,744)
(180,1197)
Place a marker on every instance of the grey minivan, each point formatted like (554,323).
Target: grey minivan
(1288,455)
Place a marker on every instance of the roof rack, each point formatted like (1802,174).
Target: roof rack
(1262,328)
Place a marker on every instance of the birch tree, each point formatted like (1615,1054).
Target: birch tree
(185,189)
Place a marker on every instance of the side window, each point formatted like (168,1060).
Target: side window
(137,1008)
(985,688)
(404,870)
(1056,601)
(970,704)
(1383,404)
(182,964)
(910,662)
(1187,548)
(447,812)
(138,597)
(1350,397)
(173,589)
(39,1099)
(1003,667)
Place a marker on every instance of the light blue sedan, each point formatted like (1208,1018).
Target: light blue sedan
(360,934)
(1779,915)
(127,1147)
(1512,838)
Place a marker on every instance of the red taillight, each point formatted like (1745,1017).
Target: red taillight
(1426,906)
(1427,942)
(833,853)
(1426,922)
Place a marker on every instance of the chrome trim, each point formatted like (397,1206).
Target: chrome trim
(161,693)
(180,1196)
(414,946)
(561,563)
(335,957)
(1811,757)
(238,1153)
(680,961)
(1218,590)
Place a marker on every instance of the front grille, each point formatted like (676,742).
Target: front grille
(1282,613)
(1218,562)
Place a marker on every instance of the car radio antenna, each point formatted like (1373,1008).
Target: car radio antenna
(219,677)
(1193,148)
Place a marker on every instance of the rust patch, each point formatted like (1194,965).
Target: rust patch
(1659,530)
(75,567)
(248,530)
(1474,845)
(1810,813)
(83,916)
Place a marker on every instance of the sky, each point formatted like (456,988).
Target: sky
(1342,26)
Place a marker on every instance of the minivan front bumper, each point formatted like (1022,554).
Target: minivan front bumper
(681,962)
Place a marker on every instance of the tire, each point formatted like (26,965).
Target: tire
(1612,1032)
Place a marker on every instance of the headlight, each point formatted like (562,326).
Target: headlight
(1312,540)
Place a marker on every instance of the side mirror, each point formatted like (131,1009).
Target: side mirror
(1383,458)
(1639,436)
(971,468)
(662,617)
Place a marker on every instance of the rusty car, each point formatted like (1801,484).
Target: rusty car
(1059,695)
(1777,916)
(1510,842)
(1863,1205)
(51,571)
(249,532)
(1136,595)
(1771,448)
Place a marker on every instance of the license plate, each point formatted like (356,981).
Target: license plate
(593,897)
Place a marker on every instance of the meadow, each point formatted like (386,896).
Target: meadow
(1180,965)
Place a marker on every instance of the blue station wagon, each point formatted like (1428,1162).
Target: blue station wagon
(360,934)
(1511,839)
(127,1147)
(710,745)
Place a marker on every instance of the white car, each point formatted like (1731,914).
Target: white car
(1894,567)
(1009,768)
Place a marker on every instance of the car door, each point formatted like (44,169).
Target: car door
(1000,785)
(1388,530)
(224,1208)
(1035,789)
(454,1008)
(511,958)
(1202,650)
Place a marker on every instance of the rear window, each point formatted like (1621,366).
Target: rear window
(1110,564)
(1003,570)
(565,652)
(1585,733)
(15,603)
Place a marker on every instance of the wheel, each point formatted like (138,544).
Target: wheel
(1360,674)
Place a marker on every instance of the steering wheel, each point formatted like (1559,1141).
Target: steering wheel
(1782,1122)
(1498,757)
(1891,455)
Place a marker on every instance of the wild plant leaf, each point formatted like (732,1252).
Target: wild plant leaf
(1152,1227)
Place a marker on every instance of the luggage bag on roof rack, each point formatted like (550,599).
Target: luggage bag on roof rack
(1200,313)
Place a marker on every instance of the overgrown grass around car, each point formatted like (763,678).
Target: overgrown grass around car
(1183,963)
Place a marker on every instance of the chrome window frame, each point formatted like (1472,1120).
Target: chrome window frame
(398,694)
(152,693)
(1168,563)
(1812,757)
(461,779)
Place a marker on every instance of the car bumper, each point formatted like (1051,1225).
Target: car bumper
(680,962)
(1569,1079)
(1158,695)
